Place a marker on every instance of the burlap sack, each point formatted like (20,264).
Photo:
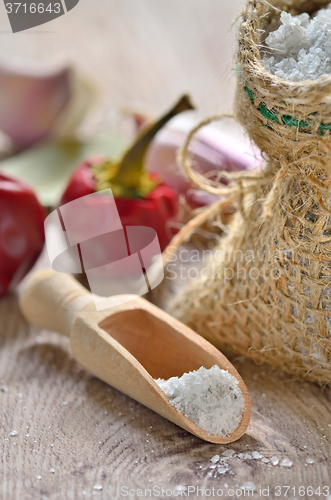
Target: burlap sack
(266,293)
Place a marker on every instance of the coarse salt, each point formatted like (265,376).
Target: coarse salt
(286,462)
(210,398)
(228,453)
(300,49)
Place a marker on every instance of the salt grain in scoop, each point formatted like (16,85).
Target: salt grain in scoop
(210,398)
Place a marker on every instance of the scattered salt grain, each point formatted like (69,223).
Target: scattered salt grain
(265,460)
(286,462)
(215,459)
(13,433)
(256,455)
(245,456)
(300,49)
(97,487)
(228,453)
(52,470)
(210,398)
(179,490)
(309,461)
(274,460)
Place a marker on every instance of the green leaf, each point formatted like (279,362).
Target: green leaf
(48,168)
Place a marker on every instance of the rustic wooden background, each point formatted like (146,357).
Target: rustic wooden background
(142,52)
(76,437)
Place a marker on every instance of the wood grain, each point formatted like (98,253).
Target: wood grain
(91,434)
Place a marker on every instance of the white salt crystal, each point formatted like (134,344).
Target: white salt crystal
(256,455)
(245,456)
(13,433)
(228,453)
(309,461)
(274,460)
(210,398)
(97,487)
(265,460)
(215,459)
(286,462)
(300,47)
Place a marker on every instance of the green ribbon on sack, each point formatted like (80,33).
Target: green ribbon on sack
(288,120)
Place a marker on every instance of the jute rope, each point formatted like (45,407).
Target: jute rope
(267,289)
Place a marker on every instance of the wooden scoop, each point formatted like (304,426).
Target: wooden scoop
(127,345)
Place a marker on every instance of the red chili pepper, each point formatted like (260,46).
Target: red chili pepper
(21,231)
(142,198)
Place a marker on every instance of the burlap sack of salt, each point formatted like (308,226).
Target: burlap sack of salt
(266,292)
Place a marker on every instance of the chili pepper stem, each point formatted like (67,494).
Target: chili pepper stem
(129,178)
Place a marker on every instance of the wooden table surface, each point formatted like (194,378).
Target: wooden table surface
(76,437)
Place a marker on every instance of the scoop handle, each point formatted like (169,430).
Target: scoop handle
(52,300)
